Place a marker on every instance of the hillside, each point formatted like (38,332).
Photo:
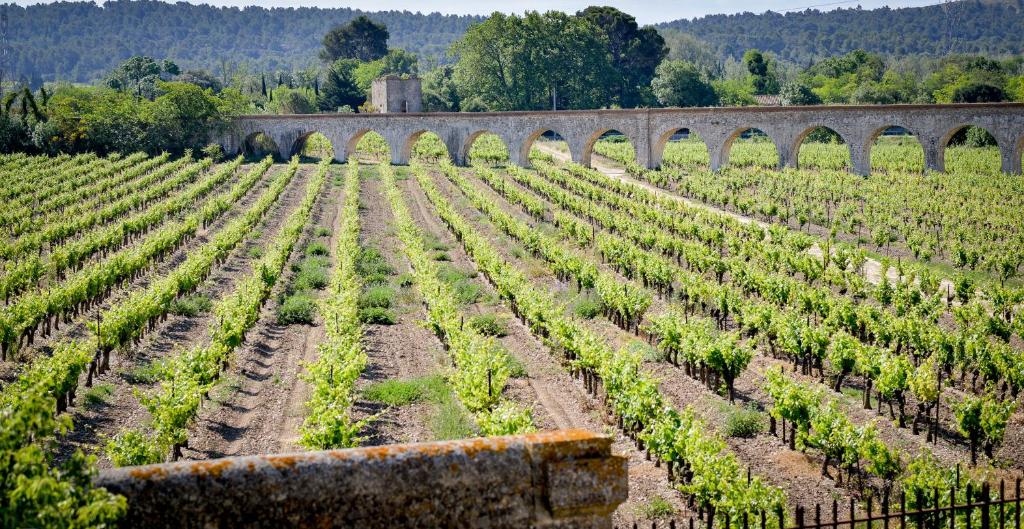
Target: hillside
(81,41)
(968,26)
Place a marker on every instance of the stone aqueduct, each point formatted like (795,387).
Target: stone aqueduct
(650,129)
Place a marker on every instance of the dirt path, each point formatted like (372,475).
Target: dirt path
(249,409)
(563,398)
(403,351)
(119,408)
(872,268)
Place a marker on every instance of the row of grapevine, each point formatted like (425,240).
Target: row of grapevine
(20,320)
(29,270)
(341,358)
(481,366)
(681,333)
(909,326)
(57,375)
(187,377)
(698,460)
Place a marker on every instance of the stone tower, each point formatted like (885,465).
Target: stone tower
(392,93)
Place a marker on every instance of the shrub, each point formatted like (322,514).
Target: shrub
(406,280)
(488,325)
(744,422)
(297,308)
(658,507)
(323,232)
(378,296)
(587,308)
(371,262)
(191,305)
(318,249)
(376,315)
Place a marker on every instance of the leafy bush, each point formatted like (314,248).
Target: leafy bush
(377,315)
(744,422)
(406,280)
(191,305)
(371,262)
(401,392)
(587,308)
(378,296)
(297,308)
(488,325)
(318,249)
(131,448)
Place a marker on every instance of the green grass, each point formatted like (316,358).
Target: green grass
(394,392)
(658,507)
(488,325)
(377,315)
(587,307)
(318,249)
(298,308)
(447,420)
(451,421)
(256,252)
(98,394)
(191,305)
(382,297)
(323,232)
(743,422)
(516,367)
(147,373)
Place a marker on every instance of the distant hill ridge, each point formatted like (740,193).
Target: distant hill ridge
(966,26)
(81,41)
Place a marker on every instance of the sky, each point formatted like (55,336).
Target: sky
(646,12)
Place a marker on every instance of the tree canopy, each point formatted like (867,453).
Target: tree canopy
(361,39)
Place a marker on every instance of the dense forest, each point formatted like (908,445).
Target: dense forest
(81,41)
(965,27)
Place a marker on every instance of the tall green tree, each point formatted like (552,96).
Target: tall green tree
(361,39)
(340,88)
(762,75)
(534,62)
(680,84)
(634,52)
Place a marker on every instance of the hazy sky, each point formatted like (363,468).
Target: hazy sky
(646,12)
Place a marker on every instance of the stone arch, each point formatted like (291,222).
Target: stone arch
(409,145)
(466,150)
(700,158)
(875,160)
(300,143)
(353,141)
(591,143)
(258,144)
(725,152)
(951,134)
(812,131)
(527,144)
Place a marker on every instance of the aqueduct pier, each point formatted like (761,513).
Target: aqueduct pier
(650,129)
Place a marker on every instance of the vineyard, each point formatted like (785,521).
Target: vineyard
(754,340)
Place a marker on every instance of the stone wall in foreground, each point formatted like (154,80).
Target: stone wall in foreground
(564,479)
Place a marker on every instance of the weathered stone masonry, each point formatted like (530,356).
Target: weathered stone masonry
(553,480)
(650,129)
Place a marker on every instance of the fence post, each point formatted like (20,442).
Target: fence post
(986,523)
(1002,498)
(1017,510)
(885,509)
(799,516)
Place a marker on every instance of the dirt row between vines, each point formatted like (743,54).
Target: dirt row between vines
(951,447)
(555,388)
(97,419)
(259,402)
(76,328)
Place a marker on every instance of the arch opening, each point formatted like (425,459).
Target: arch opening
(612,148)
(683,149)
(426,146)
(369,147)
(546,144)
(750,147)
(313,147)
(487,148)
(971,149)
(822,148)
(896,149)
(258,145)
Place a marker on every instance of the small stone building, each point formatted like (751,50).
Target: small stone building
(393,93)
